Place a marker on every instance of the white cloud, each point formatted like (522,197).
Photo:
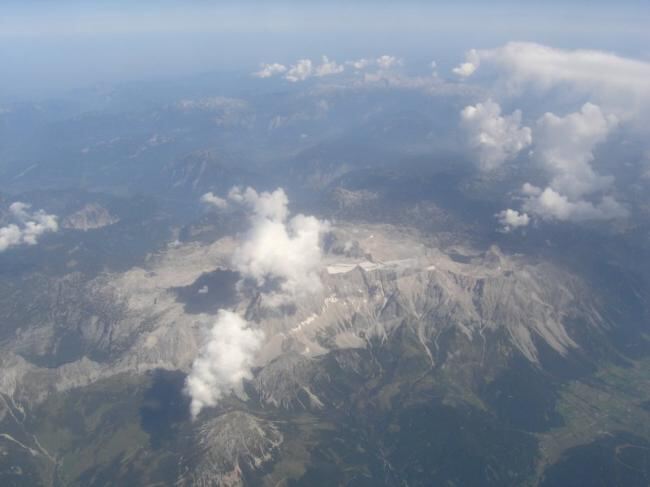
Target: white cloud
(530,190)
(564,147)
(300,71)
(465,69)
(512,219)
(551,205)
(278,249)
(10,236)
(224,361)
(495,138)
(305,69)
(615,82)
(265,205)
(387,62)
(214,200)
(269,70)
(327,68)
(471,64)
(359,64)
(28,226)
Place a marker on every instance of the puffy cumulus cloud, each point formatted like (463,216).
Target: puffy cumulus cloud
(281,255)
(214,200)
(387,62)
(494,137)
(384,62)
(28,226)
(385,73)
(10,236)
(305,68)
(327,68)
(548,204)
(564,146)
(224,361)
(382,73)
(512,219)
(616,82)
(270,206)
(471,64)
(359,64)
(269,70)
(300,71)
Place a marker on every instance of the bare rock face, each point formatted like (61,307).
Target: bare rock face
(285,383)
(90,217)
(475,297)
(395,313)
(227,447)
(455,303)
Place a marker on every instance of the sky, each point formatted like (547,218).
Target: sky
(48,47)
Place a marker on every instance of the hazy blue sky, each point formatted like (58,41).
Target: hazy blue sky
(46,47)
